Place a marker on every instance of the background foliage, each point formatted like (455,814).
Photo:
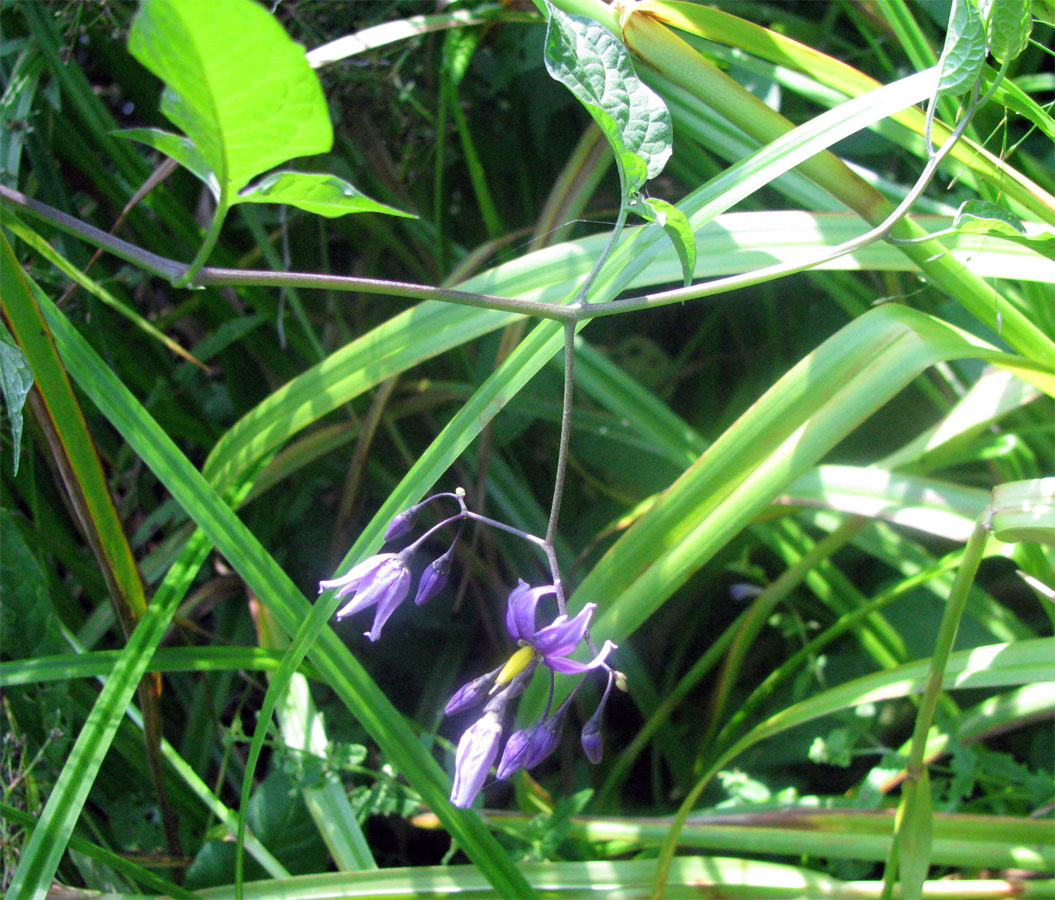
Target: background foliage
(769,493)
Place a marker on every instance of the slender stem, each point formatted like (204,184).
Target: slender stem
(768,273)
(494,523)
(617,230)
(950,623)
(211,237)
(171,270)
(562,464)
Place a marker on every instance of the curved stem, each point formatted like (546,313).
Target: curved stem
(562,465)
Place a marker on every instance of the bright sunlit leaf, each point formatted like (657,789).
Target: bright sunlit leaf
(236,84)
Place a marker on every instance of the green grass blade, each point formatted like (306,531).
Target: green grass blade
(786,431)
(264,577)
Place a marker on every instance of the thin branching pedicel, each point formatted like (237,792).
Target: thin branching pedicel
(384,581)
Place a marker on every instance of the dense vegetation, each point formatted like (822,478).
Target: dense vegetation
(810,495)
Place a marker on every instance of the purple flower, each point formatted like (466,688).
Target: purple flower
(553,642)
(383,580)
(476,752)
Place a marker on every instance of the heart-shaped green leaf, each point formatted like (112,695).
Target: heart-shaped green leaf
(983,217)
(963,55)
(676,224)
(595,66)
(1009,24)
(314,192)
(236,84)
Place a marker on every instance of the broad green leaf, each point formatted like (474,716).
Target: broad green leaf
(963,55)
(595,66)
(314,192)
(16,378)
(236,84)
(180,148)
(983,217)
(676,224)
(1009,24)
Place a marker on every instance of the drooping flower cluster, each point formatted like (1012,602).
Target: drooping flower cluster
(548,646)
(384,581)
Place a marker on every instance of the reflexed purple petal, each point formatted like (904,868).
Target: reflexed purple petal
(565,634)
(358,603)
(571,667)
(520,612)
(476,752)
(357,575)
(514,752)
(471,693)
(392,591)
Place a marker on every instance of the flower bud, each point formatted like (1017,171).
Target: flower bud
(401,524)
(470,693)
(515,750)
(592,744)
(434,578)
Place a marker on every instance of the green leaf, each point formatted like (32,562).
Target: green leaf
(1025,511)
(28,628)
(16,378)
(983,217)
(236,84)
(594,65)
(1009,24)
(676,224)
(915,834)
(315,192)
(1043,11)
(181,149)
(963,55)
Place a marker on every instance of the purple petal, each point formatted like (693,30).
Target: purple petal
(564,635)
(358,574)
(520,610)
(571,667)
(373,588)
(392,591)
(476,752)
